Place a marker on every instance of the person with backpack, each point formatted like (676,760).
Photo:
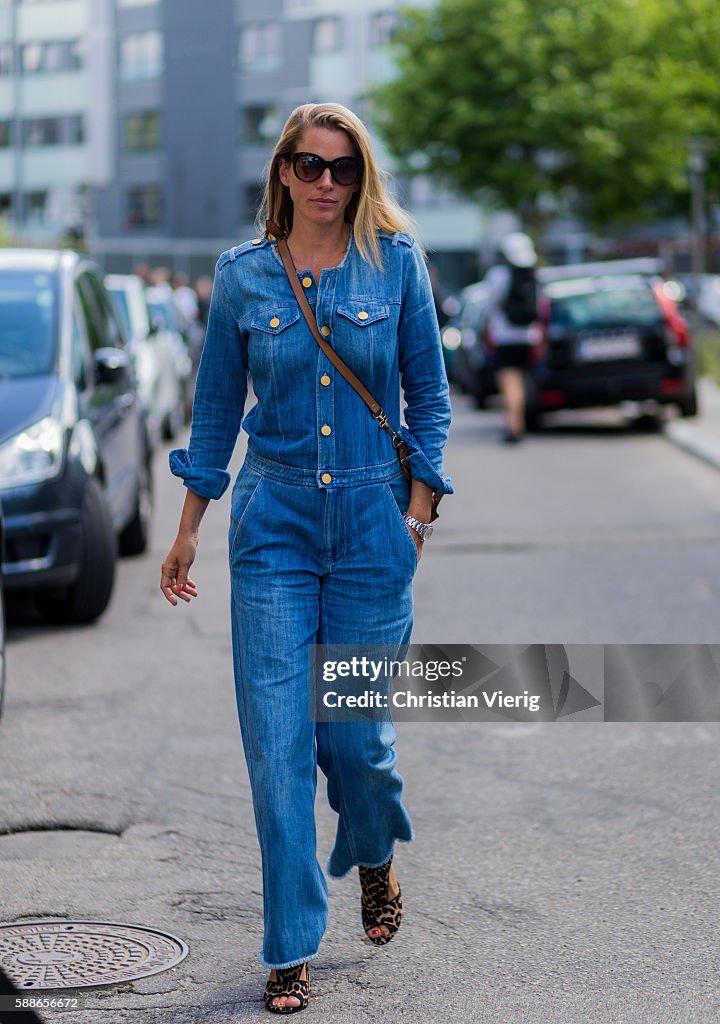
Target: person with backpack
(512,325)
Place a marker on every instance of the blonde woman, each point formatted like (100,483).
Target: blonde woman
(326,533)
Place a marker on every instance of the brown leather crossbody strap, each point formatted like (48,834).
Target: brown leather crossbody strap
(400,445)
(341,366)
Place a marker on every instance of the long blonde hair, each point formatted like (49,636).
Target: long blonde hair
(371,208)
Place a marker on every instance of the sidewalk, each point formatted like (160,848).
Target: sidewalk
(700,435)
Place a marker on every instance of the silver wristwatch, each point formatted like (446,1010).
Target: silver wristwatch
(423,530)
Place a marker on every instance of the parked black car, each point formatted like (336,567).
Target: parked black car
(75,472)
(468,360)
(2,618)
(610,338)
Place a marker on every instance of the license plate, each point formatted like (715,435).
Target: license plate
(616,346)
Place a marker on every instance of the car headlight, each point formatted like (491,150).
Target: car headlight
(32,456)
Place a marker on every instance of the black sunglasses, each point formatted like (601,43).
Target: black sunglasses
(345,170)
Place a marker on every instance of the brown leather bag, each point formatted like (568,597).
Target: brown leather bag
(399,444)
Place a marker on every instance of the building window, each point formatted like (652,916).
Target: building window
(54,131)
(326,35)
(142,131)
(41,131)
(141,56)
(74,130)
(6,58)
(260,124)
(5,132)
(35,203)
(59,55)
(5,203)
(260,47)
(383,27)
(144,206)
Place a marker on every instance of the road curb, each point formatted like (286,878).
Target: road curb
(700,436)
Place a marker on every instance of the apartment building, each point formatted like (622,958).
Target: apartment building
(297,51)
(149,123)
(56,112)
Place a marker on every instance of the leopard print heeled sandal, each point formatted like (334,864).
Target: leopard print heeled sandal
(290,982)
(377,909)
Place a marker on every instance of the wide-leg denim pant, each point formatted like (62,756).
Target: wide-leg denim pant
(315,564)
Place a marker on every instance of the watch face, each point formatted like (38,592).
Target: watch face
(427,531)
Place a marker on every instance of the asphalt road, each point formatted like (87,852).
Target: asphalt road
(561,874)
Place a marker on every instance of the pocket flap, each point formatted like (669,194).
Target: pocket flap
(275,319)
(363,313)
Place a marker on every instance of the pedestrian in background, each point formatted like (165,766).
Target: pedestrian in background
(185,297)
(512,325)
(203,291)
(326,532)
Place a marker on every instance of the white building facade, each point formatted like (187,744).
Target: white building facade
(56,112)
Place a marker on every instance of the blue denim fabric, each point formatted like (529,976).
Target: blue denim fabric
(383,324)
(315,565)
(319,552)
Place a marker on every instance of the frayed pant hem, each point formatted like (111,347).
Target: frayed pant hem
(288,963)
(379,864)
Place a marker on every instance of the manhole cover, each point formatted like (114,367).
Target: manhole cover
(78,954)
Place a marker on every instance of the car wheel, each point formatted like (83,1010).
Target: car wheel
(2,647)
(688,404)
(135,537)
(649,422)
(89,595)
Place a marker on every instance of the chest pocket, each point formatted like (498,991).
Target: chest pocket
(275,319)
(361,313)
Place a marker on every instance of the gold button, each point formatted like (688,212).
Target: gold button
(326,478)
(307,281)
(274,322)
(256,241)
(325,331)
(362,315)
(325,429)
(325,380)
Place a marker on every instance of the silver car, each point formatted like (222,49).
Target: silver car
(153,348)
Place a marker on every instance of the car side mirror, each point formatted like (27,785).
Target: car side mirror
(112,366)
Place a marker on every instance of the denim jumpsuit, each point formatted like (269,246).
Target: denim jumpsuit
(319,551)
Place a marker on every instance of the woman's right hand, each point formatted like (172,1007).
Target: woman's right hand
(174,582)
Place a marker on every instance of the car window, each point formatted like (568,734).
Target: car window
(110,322)
(159,315)
(473,313)
(28,323)
(607,308)
(91,314)
(120,299)
(80,353)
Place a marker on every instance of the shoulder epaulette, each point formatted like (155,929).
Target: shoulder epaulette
(240,250)
(398,236)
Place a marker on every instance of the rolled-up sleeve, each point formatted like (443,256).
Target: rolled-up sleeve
(220,394)
(422,367)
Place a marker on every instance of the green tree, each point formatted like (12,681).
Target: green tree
(590,102)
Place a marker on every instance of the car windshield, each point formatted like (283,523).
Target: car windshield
(120,299)
(473,312)
(164,313)
(28,323)
(607,307)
